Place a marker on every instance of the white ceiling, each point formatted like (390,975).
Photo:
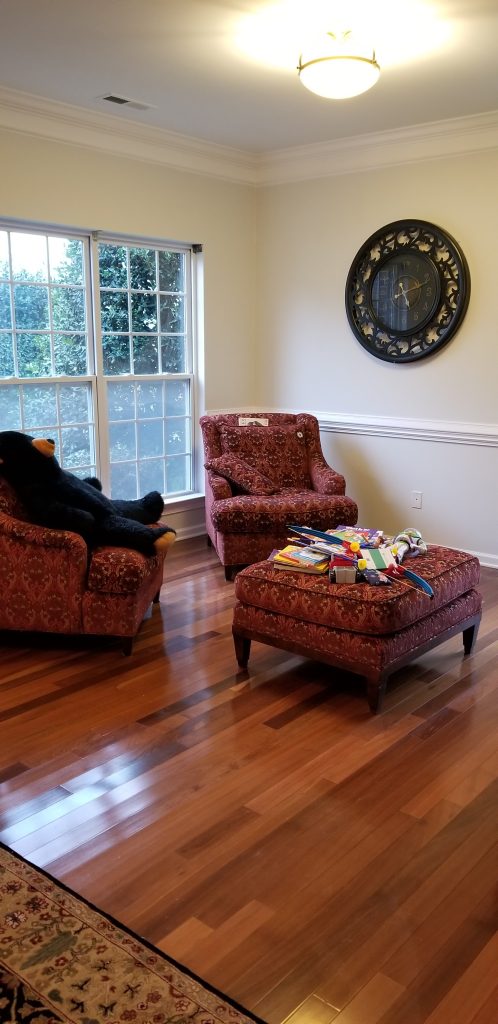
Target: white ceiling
(209,72)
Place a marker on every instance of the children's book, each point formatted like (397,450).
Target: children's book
(301,555)
(365,536)
(312,570)
(300,559)
(333,550)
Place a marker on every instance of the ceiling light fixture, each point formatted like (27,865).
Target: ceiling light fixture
(342,68)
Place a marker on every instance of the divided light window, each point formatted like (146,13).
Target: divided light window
(116,390)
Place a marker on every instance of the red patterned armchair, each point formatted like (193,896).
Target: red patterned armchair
(49,582)
(263,476)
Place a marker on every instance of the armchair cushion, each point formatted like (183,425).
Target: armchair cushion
(241,474)
(120,570)
(248,513)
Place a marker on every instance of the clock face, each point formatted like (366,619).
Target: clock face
(404,293)
(407,291)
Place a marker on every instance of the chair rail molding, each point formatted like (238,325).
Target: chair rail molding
(482,434)
(447,431)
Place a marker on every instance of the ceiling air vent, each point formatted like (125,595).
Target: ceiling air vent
(125,101)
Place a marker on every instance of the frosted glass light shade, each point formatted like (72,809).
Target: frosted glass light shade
(339,70)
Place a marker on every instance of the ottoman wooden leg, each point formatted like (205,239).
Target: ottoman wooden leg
(242,649)
(376,689)
(275,628)
(470,637)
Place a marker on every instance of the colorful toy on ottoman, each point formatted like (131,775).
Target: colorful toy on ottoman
(337,618)
(363,555)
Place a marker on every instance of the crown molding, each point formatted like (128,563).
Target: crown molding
(374,151)
(62,122)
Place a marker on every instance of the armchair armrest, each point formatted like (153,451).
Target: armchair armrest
(324,479)
(220,488)
(42,536)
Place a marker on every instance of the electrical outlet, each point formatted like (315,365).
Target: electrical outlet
(416,497)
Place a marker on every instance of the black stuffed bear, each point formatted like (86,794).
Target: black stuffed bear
(55,498)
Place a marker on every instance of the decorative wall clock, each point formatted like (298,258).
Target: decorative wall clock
(407,291)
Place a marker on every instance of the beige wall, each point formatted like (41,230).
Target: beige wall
(79,187)
(276,333)
(309,234)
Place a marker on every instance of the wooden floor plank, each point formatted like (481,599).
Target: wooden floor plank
(371,1003)
(313,1011)
(472,991)
(315,862)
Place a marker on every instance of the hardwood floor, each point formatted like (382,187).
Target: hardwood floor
(309,859)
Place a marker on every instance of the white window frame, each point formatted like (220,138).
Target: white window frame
(97,379)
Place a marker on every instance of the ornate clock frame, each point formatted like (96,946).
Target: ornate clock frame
(407,291)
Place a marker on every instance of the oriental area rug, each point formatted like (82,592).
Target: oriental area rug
(63,960)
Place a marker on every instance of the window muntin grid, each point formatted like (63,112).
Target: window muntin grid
(50,346)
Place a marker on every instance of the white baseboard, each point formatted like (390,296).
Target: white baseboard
(490,561)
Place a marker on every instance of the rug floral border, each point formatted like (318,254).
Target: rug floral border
(63,959)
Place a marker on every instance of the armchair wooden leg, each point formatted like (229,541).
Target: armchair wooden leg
(155,599)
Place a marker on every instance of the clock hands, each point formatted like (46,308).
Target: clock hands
(403,292)
(412,288)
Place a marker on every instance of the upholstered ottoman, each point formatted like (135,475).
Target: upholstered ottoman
(370,630)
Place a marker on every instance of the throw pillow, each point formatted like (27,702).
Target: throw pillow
(280,449)
(241,474)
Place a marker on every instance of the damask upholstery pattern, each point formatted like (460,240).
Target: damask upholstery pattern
(246,527)
(363,628)
(241,474)
(42,574)
(248,513)
(359,607)
(121,613)
(363,653)
(120,570)
(281,450)
(50,582)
